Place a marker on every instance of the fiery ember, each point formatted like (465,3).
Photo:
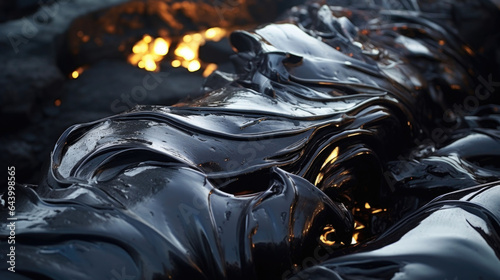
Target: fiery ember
(148,53)
(77,72)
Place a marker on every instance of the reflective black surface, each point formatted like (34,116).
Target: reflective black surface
(338,122)
(455,236)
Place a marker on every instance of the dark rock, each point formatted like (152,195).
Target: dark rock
(216,52)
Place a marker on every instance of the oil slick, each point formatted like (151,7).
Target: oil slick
(295,154)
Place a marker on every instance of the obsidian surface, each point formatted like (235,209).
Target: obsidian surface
(340,115)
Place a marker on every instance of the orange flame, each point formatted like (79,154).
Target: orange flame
(147,53)
(187,50)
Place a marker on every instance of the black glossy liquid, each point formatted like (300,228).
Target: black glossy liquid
(266,174)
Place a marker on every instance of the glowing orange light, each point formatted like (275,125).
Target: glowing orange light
(332,157)
(140,47)
(176,63)
(147,39)
(327,230)
(375,211)
(197,37)
(57,102)
(185,52)
(187,38)
(149,62)
(358,226)
(215,33)
(329,160)
(75,74)
(194,66)
(367,205)
(209,69)
(160,46)
(319,178)
(469,50)
(147,53)
(355,237)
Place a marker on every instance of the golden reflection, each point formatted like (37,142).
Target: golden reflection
(363,220)
(318,178)
(332,157)
(327,230)
(358,225)
(373,210)
(329,160)
(355,237)
(378,210)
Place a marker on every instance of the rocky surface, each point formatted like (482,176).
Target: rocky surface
(107,88)
(30,79)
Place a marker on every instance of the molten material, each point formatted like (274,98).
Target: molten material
(222,187)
